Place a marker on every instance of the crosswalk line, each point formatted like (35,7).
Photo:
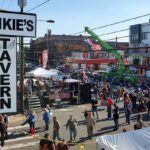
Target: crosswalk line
(17,127)
(20,145)
(19,139)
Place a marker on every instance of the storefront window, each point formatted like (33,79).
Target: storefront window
(136,61)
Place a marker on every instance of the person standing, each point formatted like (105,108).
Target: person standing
(72,125)
(90,125)
(6,125)
(128,110)
(94,104)
(116,116)
(56,129)
(31,119)
(86,114)
(148,107)
(2,130)
(109,107)
(29,86)
(47,118)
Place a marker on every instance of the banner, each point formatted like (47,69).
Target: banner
(8,75)
(44,58)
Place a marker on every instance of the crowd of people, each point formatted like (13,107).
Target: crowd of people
(105,93)
(134,101)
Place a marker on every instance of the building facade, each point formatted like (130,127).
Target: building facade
(74,50)
(139,43)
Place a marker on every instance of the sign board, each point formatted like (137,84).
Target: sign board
(8,85)
(17,24)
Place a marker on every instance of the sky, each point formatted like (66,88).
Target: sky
(71,16)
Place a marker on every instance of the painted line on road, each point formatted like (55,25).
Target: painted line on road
(17,127)
(19,139)
(20,145)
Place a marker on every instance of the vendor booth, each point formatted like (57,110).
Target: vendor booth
(68,90)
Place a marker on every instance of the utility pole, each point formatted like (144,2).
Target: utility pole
(21,3)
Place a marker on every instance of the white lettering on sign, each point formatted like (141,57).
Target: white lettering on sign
(7,74)
(17,24)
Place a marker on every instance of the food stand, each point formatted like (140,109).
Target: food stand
(69,89)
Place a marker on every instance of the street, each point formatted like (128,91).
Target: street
(19,140)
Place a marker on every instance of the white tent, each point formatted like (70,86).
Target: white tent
(131,140)
(41,72)
(71,81)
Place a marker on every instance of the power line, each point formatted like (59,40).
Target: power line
(125,36)
(103,50)
(115,23)
(113,32)
(38,5)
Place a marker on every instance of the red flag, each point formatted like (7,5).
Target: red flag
(44,58)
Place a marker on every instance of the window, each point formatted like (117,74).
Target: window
(136,61)
(134,37)
(144,36)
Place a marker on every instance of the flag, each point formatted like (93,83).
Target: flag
(94,46)
(44,58)
(85,54)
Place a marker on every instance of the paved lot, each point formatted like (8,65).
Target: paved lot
(103,126)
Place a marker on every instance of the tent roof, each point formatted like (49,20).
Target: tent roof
(41,72)
(131,140)
(71,81)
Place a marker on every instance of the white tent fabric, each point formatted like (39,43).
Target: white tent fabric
(71,81)
(41,72)
(131,140)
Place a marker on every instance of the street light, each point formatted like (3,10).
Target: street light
(48,31)
(49,21)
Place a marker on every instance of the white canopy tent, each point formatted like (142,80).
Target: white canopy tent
(41,72)
(72,81)
(131,140)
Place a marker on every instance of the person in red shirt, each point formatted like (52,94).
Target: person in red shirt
(109,107)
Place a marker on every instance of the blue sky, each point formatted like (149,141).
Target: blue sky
(72,15)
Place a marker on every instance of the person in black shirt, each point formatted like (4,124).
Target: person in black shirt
(116,116)
(94,104)
(2,130)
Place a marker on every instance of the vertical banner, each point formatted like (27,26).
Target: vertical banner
(44,58)
(8,74)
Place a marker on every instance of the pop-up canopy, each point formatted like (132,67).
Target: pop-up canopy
(41,72)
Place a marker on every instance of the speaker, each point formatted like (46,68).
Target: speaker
(85,93)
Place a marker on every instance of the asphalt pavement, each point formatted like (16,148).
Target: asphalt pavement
(19,139)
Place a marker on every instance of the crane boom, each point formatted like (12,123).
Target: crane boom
(108,48)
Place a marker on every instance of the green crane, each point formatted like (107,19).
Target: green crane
(107,47)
